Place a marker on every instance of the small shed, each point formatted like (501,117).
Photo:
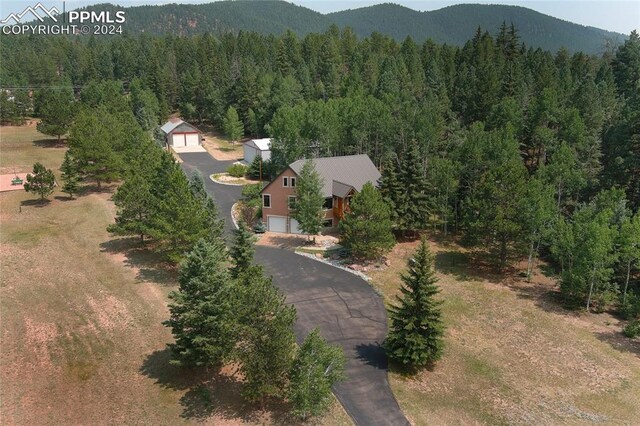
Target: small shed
(257,147)
(180,134)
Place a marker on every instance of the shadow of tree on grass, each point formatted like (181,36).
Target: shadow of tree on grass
(150,265)
(211,393)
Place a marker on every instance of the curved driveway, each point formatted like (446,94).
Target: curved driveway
(342,305)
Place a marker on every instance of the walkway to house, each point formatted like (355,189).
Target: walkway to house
(343,306)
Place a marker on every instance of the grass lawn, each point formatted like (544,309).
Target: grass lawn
(81,336)
(513,355)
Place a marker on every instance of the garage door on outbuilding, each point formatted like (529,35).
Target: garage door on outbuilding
(277,224)
(180,134)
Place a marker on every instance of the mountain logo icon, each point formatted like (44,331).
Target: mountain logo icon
(38,11)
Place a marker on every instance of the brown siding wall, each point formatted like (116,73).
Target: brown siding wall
(280,196)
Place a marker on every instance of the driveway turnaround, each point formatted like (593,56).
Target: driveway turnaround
(341,304)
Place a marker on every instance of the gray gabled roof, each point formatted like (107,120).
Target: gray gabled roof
(170,125)
(340,189)
(350,170)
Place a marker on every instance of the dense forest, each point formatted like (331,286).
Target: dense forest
(452,25)
(518,151)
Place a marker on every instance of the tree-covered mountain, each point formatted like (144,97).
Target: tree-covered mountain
(451,25)
(455,24)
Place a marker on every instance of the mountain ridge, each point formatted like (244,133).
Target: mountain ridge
(452,24)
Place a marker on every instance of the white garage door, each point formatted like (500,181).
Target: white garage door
(295,229)
(178,140)
(277,224)
(193,139)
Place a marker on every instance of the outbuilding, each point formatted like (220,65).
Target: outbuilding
(180,134)
(257,147)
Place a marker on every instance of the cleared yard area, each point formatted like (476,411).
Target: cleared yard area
(219,147)
(81,334)
(513,355)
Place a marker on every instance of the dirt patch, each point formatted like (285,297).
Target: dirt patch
(293,241)
(6,185)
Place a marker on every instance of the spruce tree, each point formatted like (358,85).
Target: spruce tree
(307,209)
(414,208)
(267,346)
(391,189)
(70,175)
(41,181)
(415,337)
(317,367)
(366,230)
(213,225)
(242,250)
(203,320)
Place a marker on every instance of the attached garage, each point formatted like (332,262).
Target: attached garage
(277,224)
(294,226)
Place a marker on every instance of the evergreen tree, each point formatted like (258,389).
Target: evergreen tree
(57,110)
(136,208)
(242,250)
(317,367)
(267,347)
(70,176)
(415,337)
(213,225)
(92,139)
(391,189)
(366,229)
(307,209)
(413,211)
(41,181)
(202,318)
(232,125)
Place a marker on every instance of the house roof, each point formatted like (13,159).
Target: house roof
(348,171)
(261,144)
(340,189)
(170,125)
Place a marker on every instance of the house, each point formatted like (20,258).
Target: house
(180,134)
(255,148)
(342,177)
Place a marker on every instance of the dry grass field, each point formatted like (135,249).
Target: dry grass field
(219,147)
(513,355)
(81,340)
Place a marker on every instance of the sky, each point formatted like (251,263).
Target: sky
(622,16)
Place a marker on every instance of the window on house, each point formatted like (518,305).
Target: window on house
(266,200)
(285,182)
(293,182)
(328,223)
(291,201)
(328,203)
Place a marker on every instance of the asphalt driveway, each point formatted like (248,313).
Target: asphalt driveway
(342,305)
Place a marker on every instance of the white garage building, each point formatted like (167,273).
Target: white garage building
(257,147)
(180,134)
